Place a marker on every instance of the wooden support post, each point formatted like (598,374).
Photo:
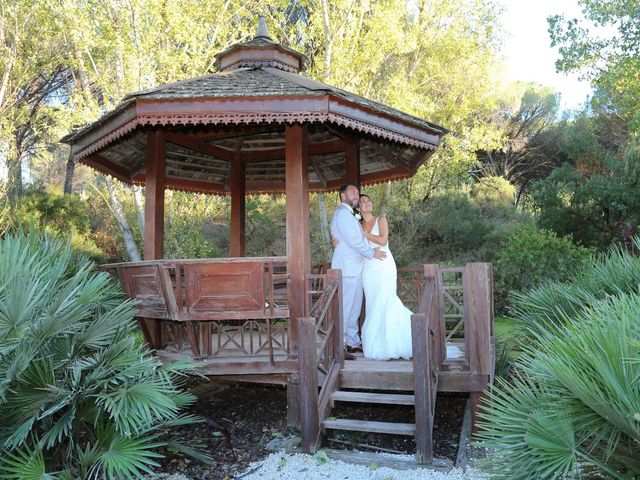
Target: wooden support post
(237,241)
(352,163)
(293,401)
(478,317)
(298,239)
(478,325)
(155,180)
(154,196)
(422,386)
(298,251)
(308,367)
(437,321)
(476,401)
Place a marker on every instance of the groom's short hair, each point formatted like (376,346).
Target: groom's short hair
(343,188)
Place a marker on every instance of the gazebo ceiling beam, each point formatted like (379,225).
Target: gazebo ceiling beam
(188,141)
(316,169)
(332,146)
(106,166)
(342,133)
(237,133)
(391,156)
(194,167)
(206,162)
(419,158)
(195,186)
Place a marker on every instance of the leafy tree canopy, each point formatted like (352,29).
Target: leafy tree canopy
(610,59)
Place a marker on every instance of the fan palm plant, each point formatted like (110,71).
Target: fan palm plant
(573,408)
(79,396)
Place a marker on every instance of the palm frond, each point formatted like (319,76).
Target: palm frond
(23,464)
(133,408)
(125,457)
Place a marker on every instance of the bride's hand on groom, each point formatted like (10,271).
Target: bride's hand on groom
(379,254)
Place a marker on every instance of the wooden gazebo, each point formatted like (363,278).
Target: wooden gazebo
(257,125)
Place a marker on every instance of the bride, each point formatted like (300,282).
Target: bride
(386,332)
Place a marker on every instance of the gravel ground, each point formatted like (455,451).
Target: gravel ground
(296,466)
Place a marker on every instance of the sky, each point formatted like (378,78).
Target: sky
(528,51)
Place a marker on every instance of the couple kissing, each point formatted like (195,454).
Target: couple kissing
(362,254)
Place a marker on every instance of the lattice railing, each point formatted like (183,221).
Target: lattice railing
(452,292)
(411,282)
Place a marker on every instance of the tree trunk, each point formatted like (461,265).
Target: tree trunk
(68,176)
(127,235)
(520,193)
(384,205)
(14,176)
(138,200)
(324,227)
(328,45)
(322,204)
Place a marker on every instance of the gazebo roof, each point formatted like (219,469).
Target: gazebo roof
(241,112)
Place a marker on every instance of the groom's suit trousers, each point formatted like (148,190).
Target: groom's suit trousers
(351,307)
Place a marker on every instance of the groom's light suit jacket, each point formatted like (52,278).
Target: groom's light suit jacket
(352,249)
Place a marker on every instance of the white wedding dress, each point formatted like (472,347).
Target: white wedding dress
(386,332)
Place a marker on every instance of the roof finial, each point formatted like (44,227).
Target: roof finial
(262,28)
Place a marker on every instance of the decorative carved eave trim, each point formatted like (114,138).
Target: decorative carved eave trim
(252,110)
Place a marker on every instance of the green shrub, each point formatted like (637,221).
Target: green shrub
(531,256)
(452,225)
(590,207)
(493,193)
(614,273)
(79,396)
(59,215)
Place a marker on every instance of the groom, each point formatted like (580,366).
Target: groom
(350,254)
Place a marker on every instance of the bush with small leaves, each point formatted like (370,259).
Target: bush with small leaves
(531,256)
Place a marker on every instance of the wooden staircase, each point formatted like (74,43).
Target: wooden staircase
(325,378)
(366,425)
(388,379)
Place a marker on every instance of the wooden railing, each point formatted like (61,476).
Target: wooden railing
(428,347)
(464,306)
(411,282)
(238,302)
(320,351)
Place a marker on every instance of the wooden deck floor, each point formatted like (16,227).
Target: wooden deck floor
(396,375)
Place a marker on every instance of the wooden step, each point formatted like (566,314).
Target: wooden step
(400,378)
(367,426)
(366,397)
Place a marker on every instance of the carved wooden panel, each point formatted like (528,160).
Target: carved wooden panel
(218,287)
(143,283)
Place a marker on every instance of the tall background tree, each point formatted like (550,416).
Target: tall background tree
(611,59)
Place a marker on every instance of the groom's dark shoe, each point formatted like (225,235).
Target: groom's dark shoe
(348,356)
(354,349)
